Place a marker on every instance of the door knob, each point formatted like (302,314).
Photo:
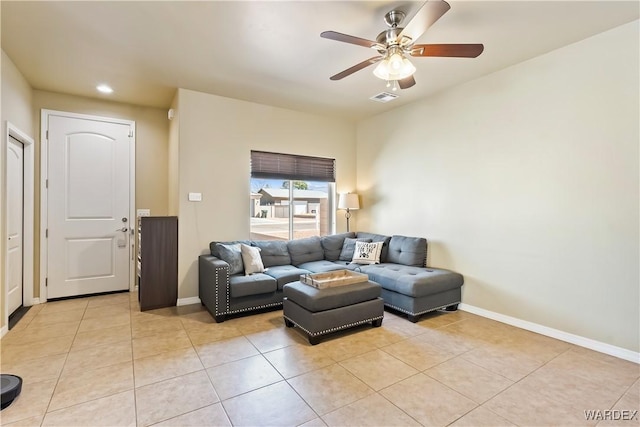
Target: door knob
(123,229)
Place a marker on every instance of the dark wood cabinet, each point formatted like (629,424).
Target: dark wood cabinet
(158,262)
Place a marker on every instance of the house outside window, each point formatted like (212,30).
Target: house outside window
(291,197)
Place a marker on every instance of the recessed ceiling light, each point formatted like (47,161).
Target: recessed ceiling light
(104,89)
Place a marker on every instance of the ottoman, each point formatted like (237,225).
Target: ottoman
(321,311)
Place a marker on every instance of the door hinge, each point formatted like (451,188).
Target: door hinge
(130,133)
(46,281)
(46,183)
(46,233)
(47,135)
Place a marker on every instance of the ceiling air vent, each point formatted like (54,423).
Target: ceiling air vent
(384,97)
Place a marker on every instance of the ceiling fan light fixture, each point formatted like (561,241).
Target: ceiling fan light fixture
(394,67)
(407,68)
(382,70)
(395,63)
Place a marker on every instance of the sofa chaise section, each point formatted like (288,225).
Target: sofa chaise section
(408,285)
(415,290)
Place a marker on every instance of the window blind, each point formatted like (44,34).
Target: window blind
(290,166)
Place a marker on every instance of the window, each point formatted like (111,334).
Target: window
(291,196)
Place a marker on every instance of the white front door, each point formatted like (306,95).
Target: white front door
(88,206)
(15,222)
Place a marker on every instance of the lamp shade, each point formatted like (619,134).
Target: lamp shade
(348,201)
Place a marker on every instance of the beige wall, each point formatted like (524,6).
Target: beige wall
(16,107)
(173,155)
(525,181)
(216,137)
(152,134)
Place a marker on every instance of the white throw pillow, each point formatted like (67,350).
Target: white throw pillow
(251,259)
(367,253)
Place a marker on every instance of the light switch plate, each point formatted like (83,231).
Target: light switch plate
(143,212)
(195,197)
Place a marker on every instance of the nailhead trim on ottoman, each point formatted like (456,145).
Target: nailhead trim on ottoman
(368,309)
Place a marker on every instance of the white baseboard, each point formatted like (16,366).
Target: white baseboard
(35,301)
(612,350)
(188,301)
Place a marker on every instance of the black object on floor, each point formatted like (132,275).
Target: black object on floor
(15,317)
(11,388)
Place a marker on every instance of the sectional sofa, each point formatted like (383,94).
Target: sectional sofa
(408,285)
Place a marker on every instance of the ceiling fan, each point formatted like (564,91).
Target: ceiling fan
(396,42)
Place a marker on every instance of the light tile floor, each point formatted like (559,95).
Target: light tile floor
(100,361)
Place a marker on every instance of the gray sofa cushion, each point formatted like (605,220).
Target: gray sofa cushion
(321,266)
(214,249)
(305,250)
(348,265)
(315,300)
(332,245)
(413,281)
(377,238)
(259,283)
(273,252)
(232,255)
(349,247)
(285,274)
(407,251)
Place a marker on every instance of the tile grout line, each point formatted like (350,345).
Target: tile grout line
(517,382)
(286,379)
(206,372)
(133,365)
(478,404)
(60,375)
(262,354)
(400,409)
(447,386)
(63,365)
(389,386)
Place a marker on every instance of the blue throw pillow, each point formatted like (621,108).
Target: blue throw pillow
(231,255)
